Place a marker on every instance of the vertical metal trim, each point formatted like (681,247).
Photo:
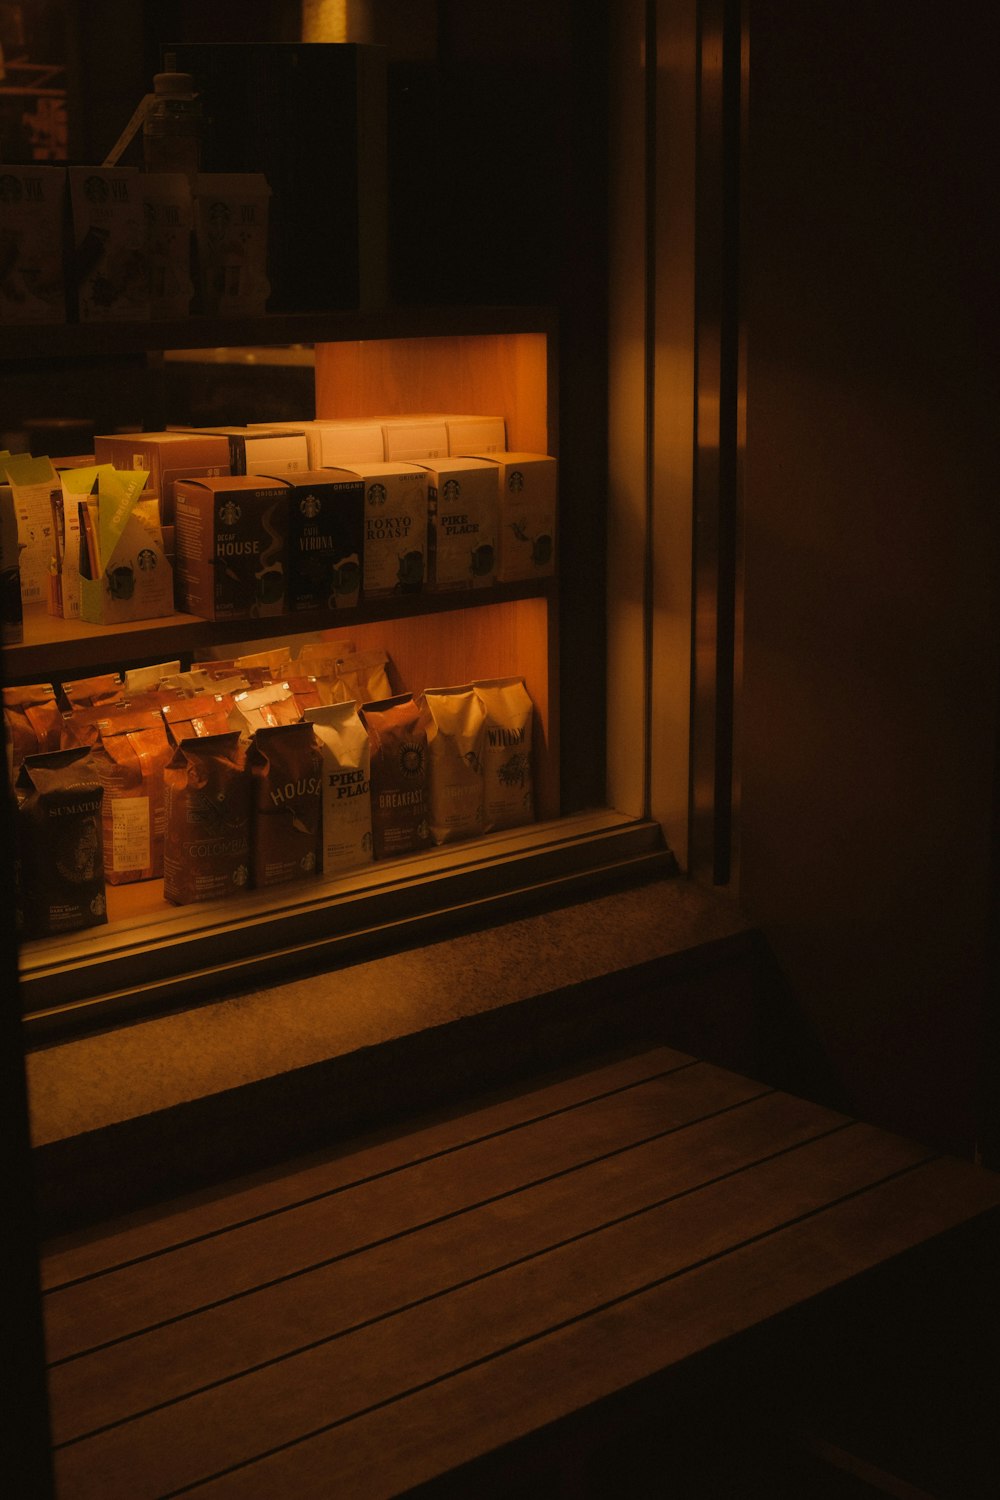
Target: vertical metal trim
(649,389)
(717,438)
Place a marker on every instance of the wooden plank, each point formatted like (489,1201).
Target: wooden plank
(386,1451)
(93,1251)
(184,1442)
(194,1275)
(223,1341)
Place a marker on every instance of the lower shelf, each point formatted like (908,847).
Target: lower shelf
(143,961)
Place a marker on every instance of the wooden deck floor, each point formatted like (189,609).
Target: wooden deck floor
(391,1312)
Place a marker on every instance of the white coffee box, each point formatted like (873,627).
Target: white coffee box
(527,518)
(462,503)
(475,435)
(32,284)
(108,261)
(415,439)
(395,543)
(335,441)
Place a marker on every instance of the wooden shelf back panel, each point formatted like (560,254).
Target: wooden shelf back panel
(488,374)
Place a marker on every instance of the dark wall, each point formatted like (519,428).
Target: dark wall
(869,723)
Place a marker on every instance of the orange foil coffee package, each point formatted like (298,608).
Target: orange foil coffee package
(206,851)
(397,730)
(285,766)
(33,720)
(130,752)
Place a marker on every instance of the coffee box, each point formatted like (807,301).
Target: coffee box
(325,539)
(231,211)
(332,442)
(169,215)
(32,286)
(108,264)
(231,539)
(414,439)
(11,616)
(262,450)
(475,435)
(32,482)
(527,517)
(166,457)
(395,542)
(462,498)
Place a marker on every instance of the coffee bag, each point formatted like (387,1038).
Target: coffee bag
(59,798)
(347,804)
(455,741)
(362,677)
(397,730)
(507,752)
(130,751)
(207,840)
(286,774)
(33,720)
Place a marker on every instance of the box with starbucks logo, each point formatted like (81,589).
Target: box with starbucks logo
(32,285)
(231,540)
(325,539)
(108,263)
(527,522)
(395,541)
(462,496)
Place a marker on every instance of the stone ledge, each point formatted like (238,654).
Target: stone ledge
(126,1116)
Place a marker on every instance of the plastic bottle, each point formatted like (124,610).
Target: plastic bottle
(171,131)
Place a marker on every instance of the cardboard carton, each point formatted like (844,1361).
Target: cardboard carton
(124,572)
(109,274)
(527,518)
(462,503)
(32,284)
(395,543)
(269,450)
(32,482)
(334,441)
(165,457)
(231,540)
(325,539)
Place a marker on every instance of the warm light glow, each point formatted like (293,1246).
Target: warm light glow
(324,20)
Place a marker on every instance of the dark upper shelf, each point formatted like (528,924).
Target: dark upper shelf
(107,340)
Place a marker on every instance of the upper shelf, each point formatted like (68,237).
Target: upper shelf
(108,340)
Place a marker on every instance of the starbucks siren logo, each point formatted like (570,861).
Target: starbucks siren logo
(310,507)
(229,513)
(96,190)
(411,759)
(452,489)
(515,481)
(376,494)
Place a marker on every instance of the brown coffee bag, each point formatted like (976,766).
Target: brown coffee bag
(130,750)
(285,769)
(33,720)
(207,840)
(397,729)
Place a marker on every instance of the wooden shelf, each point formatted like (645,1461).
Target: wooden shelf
(53,645)
(98,341)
